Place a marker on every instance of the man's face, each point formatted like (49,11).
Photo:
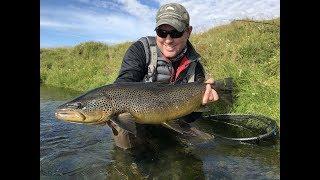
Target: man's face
(171,47)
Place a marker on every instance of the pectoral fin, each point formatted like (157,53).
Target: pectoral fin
(113,128)
(125,121)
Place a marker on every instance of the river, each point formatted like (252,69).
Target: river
(89,152)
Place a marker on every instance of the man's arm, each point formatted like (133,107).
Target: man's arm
(133,67)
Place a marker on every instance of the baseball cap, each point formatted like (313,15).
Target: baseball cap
(173,14)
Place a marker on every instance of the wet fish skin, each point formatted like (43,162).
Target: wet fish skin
(148,103)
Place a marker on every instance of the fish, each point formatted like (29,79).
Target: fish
(148,103)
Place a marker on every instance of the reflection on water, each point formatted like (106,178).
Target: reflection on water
(81,151)
(56,94)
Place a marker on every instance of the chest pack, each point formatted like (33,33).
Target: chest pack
(161,70)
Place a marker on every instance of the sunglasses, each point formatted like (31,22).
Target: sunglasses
(173,33)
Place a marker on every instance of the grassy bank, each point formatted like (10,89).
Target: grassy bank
(246,50)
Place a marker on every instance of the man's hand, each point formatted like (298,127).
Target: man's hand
(210,94)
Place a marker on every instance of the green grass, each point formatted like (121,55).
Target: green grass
(248,51)
(83,67)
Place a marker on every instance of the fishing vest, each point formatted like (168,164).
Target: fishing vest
(160,70)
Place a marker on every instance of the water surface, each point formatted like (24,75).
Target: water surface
(89,152)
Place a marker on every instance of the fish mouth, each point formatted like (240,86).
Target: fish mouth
(74,116)
(70,115)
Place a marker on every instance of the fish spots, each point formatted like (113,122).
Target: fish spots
(104,104)
(150,101)
(97,104)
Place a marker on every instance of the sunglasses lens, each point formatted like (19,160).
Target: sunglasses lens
(176,34)
(162,33)
(173,34)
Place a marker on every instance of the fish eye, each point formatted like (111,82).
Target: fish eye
(77,105)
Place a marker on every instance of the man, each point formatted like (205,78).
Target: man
(169,58)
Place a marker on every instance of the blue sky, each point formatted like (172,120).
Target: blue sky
(70,22)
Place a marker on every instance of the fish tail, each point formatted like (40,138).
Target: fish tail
(224,88)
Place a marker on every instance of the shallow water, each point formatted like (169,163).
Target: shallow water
(89,152)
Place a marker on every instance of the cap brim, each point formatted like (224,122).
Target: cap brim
(178,25)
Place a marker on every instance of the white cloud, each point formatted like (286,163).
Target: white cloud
(126,20)
(205,14)
(54,24)
(132,7)
(95,25)
(111,4)
(137,9)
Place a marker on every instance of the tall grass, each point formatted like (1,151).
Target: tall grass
(248,51)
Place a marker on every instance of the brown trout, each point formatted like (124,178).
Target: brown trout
(148,103)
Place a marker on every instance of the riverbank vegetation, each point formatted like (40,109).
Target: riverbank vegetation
(246,50)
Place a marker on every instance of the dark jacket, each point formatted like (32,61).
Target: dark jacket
(134,66)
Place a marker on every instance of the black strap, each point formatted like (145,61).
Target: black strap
(150,48)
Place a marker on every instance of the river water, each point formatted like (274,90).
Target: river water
(89,152)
